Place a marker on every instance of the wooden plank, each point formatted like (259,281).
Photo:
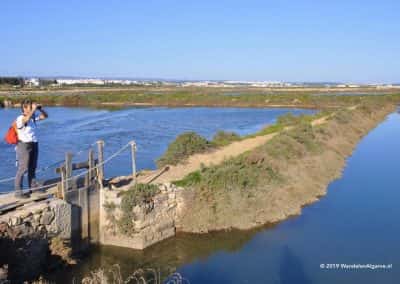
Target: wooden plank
(91,173)
(100,157)
(150,176)
(76,166)
(63,184)
(68,171)
(84,205)
(14,203)
(8,207)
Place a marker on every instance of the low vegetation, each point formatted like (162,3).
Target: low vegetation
(275,180)
(137,195)
(223,138)
(262,164)
(256,167)
(246,97)
(190,143)
(186,144)
(342,116)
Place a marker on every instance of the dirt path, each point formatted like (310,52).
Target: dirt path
(215,157)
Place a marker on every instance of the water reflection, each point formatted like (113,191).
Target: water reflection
(356,222)
(165,257)
(292,269)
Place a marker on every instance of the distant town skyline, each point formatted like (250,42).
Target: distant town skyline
(302,41)
(111,78)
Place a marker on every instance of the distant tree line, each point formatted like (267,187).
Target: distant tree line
(14,81)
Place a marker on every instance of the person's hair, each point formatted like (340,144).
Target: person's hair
(24,103)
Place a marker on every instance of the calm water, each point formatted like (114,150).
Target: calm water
(356,223)
(75,129)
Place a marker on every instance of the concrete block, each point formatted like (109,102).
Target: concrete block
(62,218)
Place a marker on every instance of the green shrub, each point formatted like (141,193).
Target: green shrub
(367,107)
(255,167)
(293,143)
(137,195)
(190,179)
(223,138)
(283,147)
(304,134)
(270,129)
(239,173)
(287,119)
(343,116)
(184,145)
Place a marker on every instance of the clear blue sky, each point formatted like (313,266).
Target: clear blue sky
(357,41)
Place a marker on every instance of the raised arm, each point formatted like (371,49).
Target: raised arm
(28,114)
(43,113)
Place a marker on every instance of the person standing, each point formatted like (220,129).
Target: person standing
(28,145)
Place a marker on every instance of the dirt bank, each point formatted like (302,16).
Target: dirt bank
(301,180)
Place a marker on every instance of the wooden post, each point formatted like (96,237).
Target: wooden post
(87,183)
(133,153)
(100,158)
(91,166)
(68,171)
(83,201)
(63,183)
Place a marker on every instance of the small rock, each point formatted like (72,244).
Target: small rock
(41,229)
(40,208)
(26,215)
(49,229)
(36,217)
(3,273)
(23,230)
(47,217)
(38,211)
(3,227)
(137,209)
(15,221)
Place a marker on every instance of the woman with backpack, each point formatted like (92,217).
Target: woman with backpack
(27,146)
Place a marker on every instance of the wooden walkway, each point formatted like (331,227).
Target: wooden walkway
(9,202)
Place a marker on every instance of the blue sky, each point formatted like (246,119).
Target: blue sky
(352,41)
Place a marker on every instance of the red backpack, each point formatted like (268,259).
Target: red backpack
(12,135)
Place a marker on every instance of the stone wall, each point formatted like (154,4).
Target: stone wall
(48,218)
(26,236)
(153,222)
